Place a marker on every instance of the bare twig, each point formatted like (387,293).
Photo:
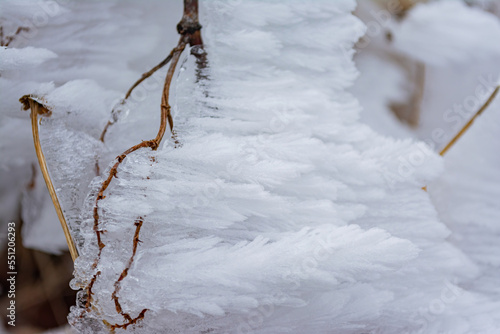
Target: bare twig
(89,289)
(469,123)
(131,89)
(189,27)
(39,109)
(126,316)
(5,41)
(131,322)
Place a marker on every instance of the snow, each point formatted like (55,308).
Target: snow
(465,193)
(15,59)
(447,31)
(467,196)
(272,163)
(291,200)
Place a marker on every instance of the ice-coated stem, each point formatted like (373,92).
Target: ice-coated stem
(36,109)
(189,29)
(143,77)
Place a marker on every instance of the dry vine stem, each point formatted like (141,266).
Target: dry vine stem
(189,29)
(129,92)
(126,316)
(189,26)
(39,109)
(468,124)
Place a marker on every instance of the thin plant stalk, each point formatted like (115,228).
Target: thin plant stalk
(469,123)
(143,77)
(36,109)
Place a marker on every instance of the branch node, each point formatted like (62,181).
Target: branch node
(187,26)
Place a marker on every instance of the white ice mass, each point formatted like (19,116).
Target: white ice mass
(274,209)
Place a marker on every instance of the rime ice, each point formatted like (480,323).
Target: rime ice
(274,209)
(276,199)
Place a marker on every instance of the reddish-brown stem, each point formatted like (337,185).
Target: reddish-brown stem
(190,24)
(153,144)
(131,89)
(114,296)
(131,322)
(89,288)
(189,29)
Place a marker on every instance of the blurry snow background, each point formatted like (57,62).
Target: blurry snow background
(432,263)
(453,42)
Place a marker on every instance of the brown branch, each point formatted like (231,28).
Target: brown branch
(409,112)
(189,27)
(39,109)
(138,224)
(89,288)
(131,322)
(144,76)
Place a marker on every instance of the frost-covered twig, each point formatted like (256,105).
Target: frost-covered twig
(469,123)
(143,77)
(153,144)
(189,28)
(39,109)
(126,316)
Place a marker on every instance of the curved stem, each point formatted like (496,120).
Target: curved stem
(153,144)
(35,110)
(189,29)
(137,83)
